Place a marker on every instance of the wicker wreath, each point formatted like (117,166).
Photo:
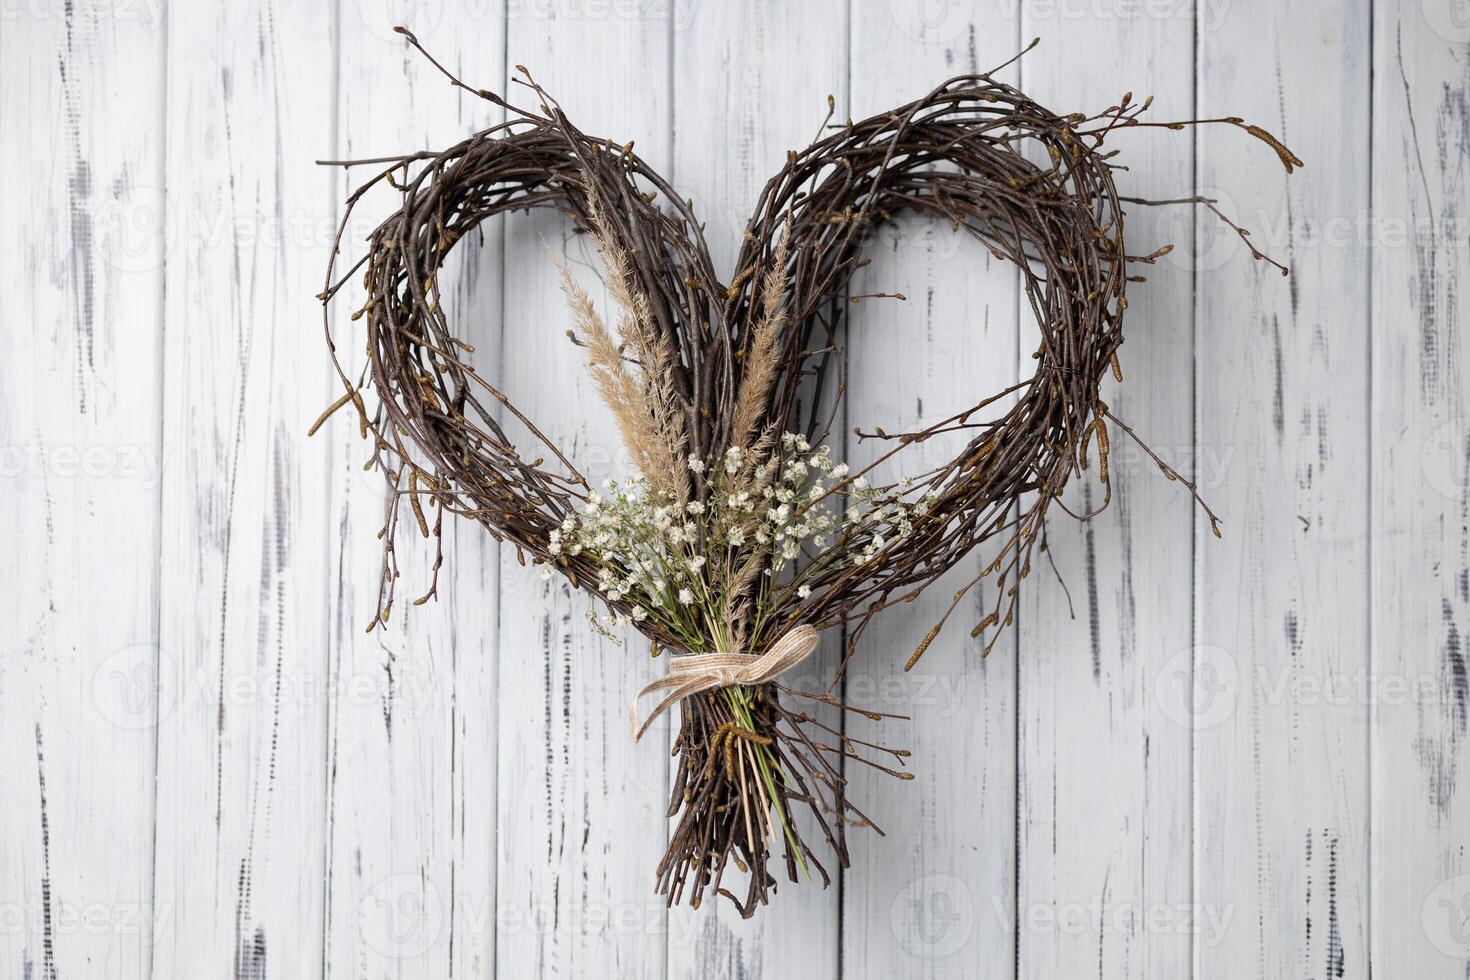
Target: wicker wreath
(718,385)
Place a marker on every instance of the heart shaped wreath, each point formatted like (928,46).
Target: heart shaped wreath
(741,538)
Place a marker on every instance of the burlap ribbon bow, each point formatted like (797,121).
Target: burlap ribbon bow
(694,672)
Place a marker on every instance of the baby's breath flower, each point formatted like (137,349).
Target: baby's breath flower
(644,541)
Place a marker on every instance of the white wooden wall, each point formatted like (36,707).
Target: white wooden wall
(1206,758)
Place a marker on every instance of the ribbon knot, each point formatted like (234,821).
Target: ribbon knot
(692,673)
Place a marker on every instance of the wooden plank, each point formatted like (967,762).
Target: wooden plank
(244,571)
(412,766)
(1105,803)
(935,897)
(751,83)
(580,805)
(81,94)
(1281,838)
(1420,443)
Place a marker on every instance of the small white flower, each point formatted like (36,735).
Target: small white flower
(686,597)
(695,507)
(696,464)
(804,592)
(737,537)
(696,563)
(639,614)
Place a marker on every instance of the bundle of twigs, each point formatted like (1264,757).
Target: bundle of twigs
(700,366)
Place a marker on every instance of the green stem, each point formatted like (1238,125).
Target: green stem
(765,760)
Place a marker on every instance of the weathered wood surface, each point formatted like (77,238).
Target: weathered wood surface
(1202,758)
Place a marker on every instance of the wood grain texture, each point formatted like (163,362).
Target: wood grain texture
(209,769)
(751,82)
(1105,808)
(80,109)
(581,806)
(1281,830)
(242,620)
(934,898)
(1420,442)
(411,766)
